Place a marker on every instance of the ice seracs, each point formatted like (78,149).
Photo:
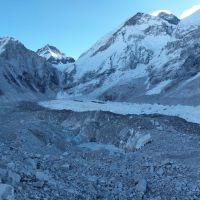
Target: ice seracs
(189,113)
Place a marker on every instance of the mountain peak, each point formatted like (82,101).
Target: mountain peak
(54,55)
(167,16)
(9,43)
(49,47)
(50,51)
(172,19)
(136,19)
(6,40)
(157,12)
(140,18)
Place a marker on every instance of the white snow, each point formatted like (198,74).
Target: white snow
(70,67)
(190,11)
(192,20)
(189,113)
(3,42)
(115,79)
(128,35)
(159,87)
(50,53)
(157,12)
(61,67)
(192,79)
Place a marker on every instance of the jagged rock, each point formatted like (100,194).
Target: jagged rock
(170,18)
(25,75)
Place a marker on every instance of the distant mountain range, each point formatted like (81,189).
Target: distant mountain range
(147,59)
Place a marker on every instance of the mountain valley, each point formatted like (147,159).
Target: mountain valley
(120,122)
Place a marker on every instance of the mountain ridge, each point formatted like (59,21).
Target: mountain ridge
(147,58)
(143,54)
(50,52)
(24,74)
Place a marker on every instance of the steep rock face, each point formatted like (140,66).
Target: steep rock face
(148,58)
(24,74)
(172,19)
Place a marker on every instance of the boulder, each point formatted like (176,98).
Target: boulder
(137,141)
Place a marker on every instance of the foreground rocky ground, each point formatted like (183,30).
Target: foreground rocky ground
(58,155)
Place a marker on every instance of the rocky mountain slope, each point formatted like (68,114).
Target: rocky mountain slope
(148,58)
(24,74)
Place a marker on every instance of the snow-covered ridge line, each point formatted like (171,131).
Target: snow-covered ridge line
(55,56)
(189,113)
(4,41)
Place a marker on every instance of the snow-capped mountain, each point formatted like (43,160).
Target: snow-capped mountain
(148,58)
(55,57)
(24,74)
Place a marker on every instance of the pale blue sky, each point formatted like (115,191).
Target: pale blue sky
(73,25)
